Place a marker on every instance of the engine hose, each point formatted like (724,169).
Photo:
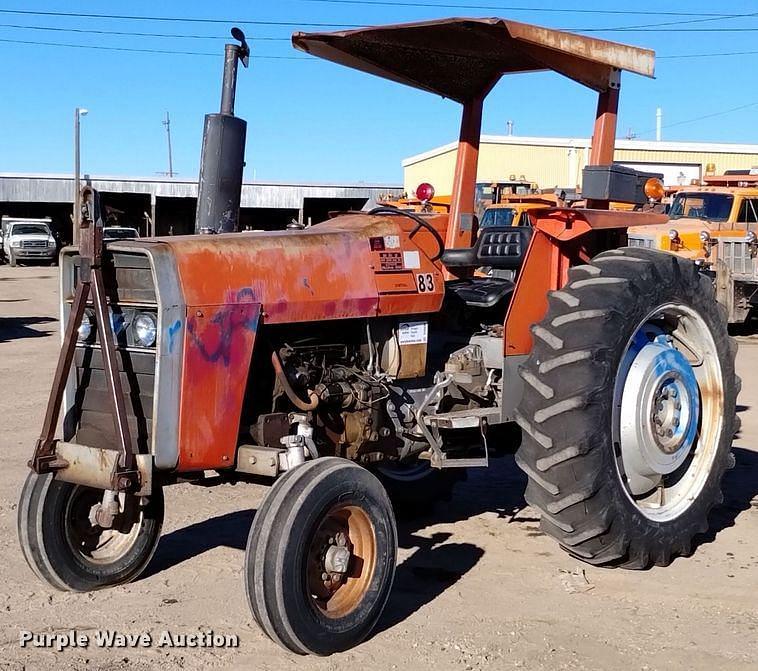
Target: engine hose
(311,404)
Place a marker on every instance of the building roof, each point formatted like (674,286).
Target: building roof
(585,143)
(163,179)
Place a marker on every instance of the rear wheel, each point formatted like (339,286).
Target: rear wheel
(65,548)
(320,557)
(629,409)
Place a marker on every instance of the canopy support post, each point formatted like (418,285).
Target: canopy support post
(604,134)
(461,225)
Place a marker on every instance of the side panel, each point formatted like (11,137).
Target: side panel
(218,345)
(545,268)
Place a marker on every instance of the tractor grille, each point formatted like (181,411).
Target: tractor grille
(640,241)
(94,416)
(129,286)
(34,244)
(736,254)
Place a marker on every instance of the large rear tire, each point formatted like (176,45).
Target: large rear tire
(64,548)
(320,558)
(628,410)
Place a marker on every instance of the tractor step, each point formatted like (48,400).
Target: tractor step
(463,419)
(446,461)
(477,418)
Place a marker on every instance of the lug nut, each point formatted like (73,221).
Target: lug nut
(669,433)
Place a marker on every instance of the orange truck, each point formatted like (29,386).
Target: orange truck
(360,362)
(716,225)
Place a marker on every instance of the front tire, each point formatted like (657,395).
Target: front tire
(66,550)
(628,410)
(320,558)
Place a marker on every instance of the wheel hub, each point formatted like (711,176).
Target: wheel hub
(338,555)
(660,409)
(341,560)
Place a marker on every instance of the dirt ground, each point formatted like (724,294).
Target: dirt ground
(478,586)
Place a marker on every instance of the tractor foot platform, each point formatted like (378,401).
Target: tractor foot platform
(478,418)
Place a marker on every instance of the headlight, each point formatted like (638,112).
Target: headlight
(673,235)
(51,243)
(145,329)
(15,243)
(751,238)
(85,328)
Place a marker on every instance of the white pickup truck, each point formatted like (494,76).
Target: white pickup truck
(27,240)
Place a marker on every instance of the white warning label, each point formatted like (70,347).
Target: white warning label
(413,333)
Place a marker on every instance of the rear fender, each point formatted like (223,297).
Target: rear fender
(557,244)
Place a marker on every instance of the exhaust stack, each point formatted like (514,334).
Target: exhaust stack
(223,155)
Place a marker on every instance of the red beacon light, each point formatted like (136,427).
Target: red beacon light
(425,192)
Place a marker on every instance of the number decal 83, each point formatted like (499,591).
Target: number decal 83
(425,282)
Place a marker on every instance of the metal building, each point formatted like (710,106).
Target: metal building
(165,206)
(558,162)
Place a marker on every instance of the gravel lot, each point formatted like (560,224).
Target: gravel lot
(478,586)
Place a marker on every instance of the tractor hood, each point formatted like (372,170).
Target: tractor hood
(351,266)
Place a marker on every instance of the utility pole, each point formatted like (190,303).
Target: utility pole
(79,112)
(658,123)
(167,124)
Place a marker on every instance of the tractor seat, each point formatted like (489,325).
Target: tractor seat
(502,247)
(499,247)
(482,292)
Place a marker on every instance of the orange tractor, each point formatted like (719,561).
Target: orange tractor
(361,360)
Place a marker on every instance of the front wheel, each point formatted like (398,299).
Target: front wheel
(628,410)
(320,557)
(66,549)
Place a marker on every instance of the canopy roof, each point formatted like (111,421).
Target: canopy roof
(463,58)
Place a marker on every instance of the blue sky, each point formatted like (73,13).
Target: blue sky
(316,121)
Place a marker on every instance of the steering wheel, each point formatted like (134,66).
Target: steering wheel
(420,223)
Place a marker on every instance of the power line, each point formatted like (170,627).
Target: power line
(92,31)
(701,118)
(662,30)
(678,22)
(174,19)
(270,56)
(149,51)
(723,53)
(384,3)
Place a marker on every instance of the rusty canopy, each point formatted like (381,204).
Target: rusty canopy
(463,58)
